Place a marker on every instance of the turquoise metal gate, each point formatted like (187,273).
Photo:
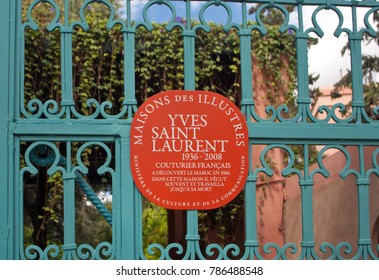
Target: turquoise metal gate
(53,134)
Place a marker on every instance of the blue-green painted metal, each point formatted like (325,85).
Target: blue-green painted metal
(6,81)
(42,124)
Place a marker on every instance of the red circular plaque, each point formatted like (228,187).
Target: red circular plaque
(189,150)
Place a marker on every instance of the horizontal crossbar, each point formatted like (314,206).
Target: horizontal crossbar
(259,133)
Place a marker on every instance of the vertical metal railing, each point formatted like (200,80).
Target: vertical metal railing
(7,67)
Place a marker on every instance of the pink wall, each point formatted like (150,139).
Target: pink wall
(335,204)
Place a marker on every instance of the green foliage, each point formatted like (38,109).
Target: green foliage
(222,225)
(42,76)
(160,59)
(276,57)
(97,64)
(28,236)
(271,16)
(155,227)
(43,198)
(91,228)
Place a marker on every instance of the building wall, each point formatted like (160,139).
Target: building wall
(270,190)
(335,205)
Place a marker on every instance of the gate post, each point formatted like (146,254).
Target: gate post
(7,90)
(128,203)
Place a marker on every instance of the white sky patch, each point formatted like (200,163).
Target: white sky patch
(137,7)
(325,57)
(196,6)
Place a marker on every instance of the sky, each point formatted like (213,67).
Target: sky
(324,58)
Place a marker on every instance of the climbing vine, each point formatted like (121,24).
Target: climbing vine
(275,56)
